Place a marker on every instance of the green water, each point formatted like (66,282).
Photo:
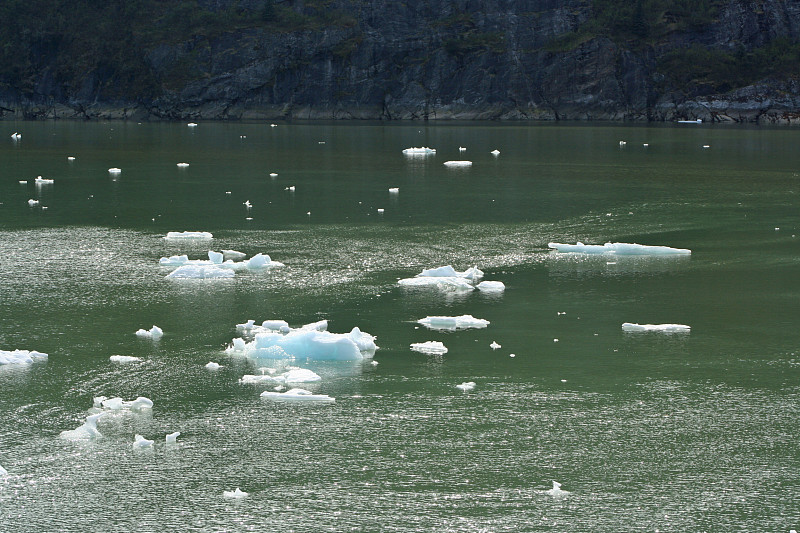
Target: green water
(647,432)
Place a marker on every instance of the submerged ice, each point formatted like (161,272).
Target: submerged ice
(617,248)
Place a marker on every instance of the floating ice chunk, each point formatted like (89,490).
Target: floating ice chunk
(472,273)
(33,203)
(262,261)
(512,355)
(462,149)
(211,365)
(43,181)
(16,136)
(192,125)
(190,235)
(308,343)
(424,150)
(233,254)
(70,158)
(183,165)
(3,471)
(118,404)
(141,442)
(235,494)
(154,333)
(215,257)
(24,357)
(429,347)
(381,211)
(491,286)
(495,152)
(556,491)
(622,143)
(201,272)
(295,375)
(467,385)
(174,260)
(114,170)
(618,248)
(319,325)
(453,322)
(87,431)
(494,346)
(452,284)
(273,174)
(696,121)
(456,164)
(297,395)
(124,359)
(172,438)
(394,190)
(23,182)
(662,328)
(275,325)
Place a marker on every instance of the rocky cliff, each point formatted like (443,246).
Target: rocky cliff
(431,59)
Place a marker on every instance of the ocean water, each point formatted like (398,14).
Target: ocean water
(645,432)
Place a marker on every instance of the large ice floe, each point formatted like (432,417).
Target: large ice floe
(297,395)
(453,323)
(617,248)
(430,347)
(189,235)
(215,266)
(274,339)
(445,278)
(293,375)
(20,357)
(660,328)
(457,164)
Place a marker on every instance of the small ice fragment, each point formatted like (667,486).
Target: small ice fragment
(645,145)
(618,248)
(491,286)
(467,385)
(235,494)
(462,149)
(191,235)
(512,355)
(33,203)
(262,261)
(171,438)
(139,404)
(192,125)
(555,340)
(777,229)
(394,190)
(86,431)
(297,395)
(23,182)
(321,142)
(141,442)
(273,174)
(227,192)
(247,204)
(154,333)
(211,365)
(663,328)
(456,164)
(201,272)
(70,158)
(622,143)
(494,345)
(429,347)
(114,170)
(183,165)
(495,152)
(380,210)
(273,125)
(706,146)
(16,136)
(453,322)
(43,181)
(556,491)
(374,363)
(424,150)
(124,359)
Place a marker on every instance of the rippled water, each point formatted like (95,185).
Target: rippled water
(682,432)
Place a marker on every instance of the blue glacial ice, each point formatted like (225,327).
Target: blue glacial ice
(172,438)
(3,471)
(24,357)
(453,323)
(617,248)
(215,266)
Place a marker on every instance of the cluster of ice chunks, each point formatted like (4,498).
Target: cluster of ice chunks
(153,333)
(447,278)
(216,266)
(25,357)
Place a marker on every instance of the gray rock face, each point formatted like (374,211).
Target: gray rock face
(430,59)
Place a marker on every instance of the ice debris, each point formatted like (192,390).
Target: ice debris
(114,171)
(140,442)
(190,235)
(456,164)
(495,152)
(467,385)
(124,359)
(424,150)
(235,494)
(86,431)
(208,271)
(618,248)
(33,203)
(394,190)
(311,342)
(429,347)
(294,375)
(118,404)
(445,278)
(663,328)
(233,254)
(183,165)
(472,273)
(3,471)
(211,365)
(214,266)
(24,357)
(491,286)
(298,395)
(192,125)
(494,346)
(43,181)
(171,438)
(453,322)
(154,333)
(556,491)
(16,136)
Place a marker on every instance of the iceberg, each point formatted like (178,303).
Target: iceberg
(297,395)
(172,438)
(23,357)
(189,235)
(618,248)
(394,190)
(124,359)
(453,322)
(430,347)
(87,431)
(140,443)
(235,494)
(467,385)
(154,333)
(423,150)
(662,328)
(205,271)
(295,375)
(491,286)
(457,164)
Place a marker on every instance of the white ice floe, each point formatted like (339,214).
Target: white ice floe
(467,385)
(495,152)
(153,333)
(189,235)
(495,346)
(618,248)
(491,286)
(235,494)
(695,121)
(556,491)
(462,149)
(142,443)
(183,165)
(33,203)
(192,125)
(394,190)
(233,254)
(172,438)
(115,170)
(380,210)
(16,136)
(118,404)
(429,347)
(450,284)
(211,365)
(297,395)
(424,150)
(70,158)
(23,182)
(208,271)
(662,328)
(124,359)
(273,174)
(453,322)
(87,431)
(458,164)
(3,471)
(294,375)
(262,261)
(472,273)
(43,181)
(17,357)
(307,343)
